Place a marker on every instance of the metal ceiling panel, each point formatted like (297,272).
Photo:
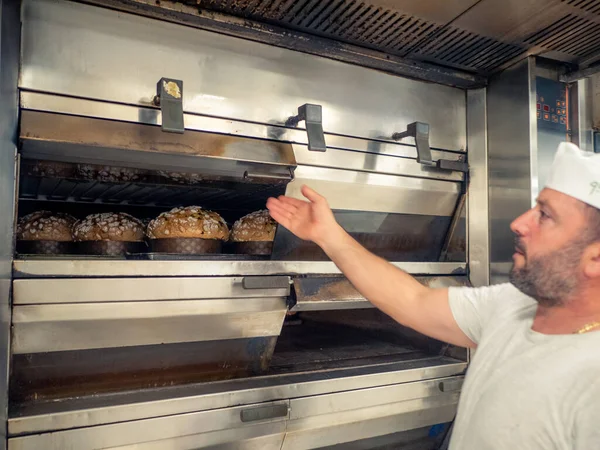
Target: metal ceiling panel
(590,6)
(441,11)
(462,38)
(478,36)
(508,20)
(365,23)
(462,49)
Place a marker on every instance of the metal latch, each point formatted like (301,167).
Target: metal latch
(313,116)
(169,96)
(420,131)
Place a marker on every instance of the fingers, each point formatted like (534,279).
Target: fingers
(289,204)
(312,195)
(285,204)
(279,211)
(280,219)
(292,201)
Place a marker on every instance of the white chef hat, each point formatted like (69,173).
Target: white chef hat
(576,173)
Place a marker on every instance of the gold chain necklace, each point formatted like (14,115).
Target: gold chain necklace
(588,327)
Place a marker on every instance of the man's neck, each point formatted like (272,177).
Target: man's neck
(576,312)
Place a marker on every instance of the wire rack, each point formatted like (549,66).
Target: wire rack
(214,195)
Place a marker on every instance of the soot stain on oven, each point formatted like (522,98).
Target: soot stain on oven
(56,375)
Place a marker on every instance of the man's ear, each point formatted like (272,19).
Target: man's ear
(592,261)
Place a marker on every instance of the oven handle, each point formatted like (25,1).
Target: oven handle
(451,385)
(269,282)
(269,176)
(264,413)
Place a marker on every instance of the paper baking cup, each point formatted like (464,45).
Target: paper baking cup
(186,246)
(110,248)
(45,247)
(259,248)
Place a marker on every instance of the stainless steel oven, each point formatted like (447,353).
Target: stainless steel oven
(229,351)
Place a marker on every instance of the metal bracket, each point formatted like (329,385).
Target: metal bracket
(169,96)
(420,132)
(313,116)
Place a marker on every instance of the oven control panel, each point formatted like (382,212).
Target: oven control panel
(551,105)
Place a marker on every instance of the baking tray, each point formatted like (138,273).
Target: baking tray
(29,256)
(152,256)
(147,257)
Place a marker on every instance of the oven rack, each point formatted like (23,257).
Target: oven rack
(214,195)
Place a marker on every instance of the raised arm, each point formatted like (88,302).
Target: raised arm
(390,289)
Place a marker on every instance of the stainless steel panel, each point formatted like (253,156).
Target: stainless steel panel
(32,268)
(258,437)
(60,137)
(131,406)
(321,294)
(393,237)
(594,97)
(346,417)
(185,431)
(360,191)
(79,50)
(369,422)
(47,328)
(9,70)
(512,163)
(333,293)
(30,292)
(311,407)
(478,212)
(369,162)
(38,101)
(582,103)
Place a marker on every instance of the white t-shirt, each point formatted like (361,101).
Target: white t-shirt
(524,390)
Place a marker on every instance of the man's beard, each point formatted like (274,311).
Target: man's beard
(550,279)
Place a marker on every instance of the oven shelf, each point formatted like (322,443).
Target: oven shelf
(210,195)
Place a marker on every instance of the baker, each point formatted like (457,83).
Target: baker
(534,381)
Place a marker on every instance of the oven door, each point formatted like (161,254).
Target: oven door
(260,426)
(339,418)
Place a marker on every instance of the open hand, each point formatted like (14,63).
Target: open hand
(310,220)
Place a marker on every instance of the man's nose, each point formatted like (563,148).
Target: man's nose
(520,226)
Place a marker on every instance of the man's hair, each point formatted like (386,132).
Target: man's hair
(593,225)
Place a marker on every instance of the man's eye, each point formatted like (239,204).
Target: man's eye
(543,215)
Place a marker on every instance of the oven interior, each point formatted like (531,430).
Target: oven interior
(309,341)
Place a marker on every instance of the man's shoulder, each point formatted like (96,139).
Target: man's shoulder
(500,300)
(505,292)
(477,309)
